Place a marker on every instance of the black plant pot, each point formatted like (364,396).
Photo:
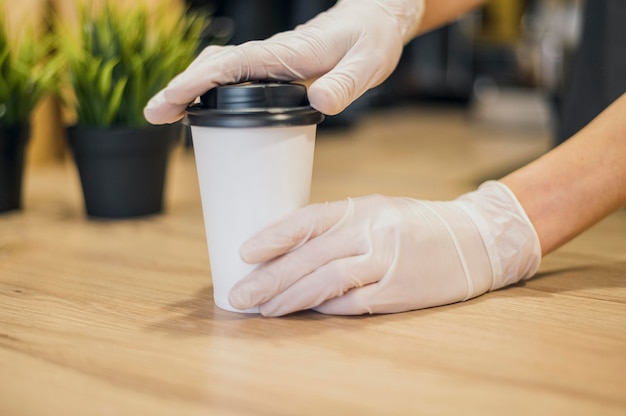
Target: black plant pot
(13,142)
(122,169)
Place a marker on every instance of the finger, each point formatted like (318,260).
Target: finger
(170,104)
(329,281)
(211,68)
(357,301)
(292,56)
(295,230)
(210,52)
(272,278)
(161,109)
(348,80)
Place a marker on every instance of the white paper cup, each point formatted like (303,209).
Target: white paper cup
(249,176)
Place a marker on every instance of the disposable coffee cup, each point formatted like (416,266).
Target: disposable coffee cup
(254,146)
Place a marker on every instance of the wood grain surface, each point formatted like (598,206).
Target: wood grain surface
(117,317)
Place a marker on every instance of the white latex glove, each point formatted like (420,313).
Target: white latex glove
(377,254)
(352,47)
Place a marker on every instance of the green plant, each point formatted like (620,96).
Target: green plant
(26,72)
(122,56)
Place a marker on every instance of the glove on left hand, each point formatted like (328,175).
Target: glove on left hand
(378,254)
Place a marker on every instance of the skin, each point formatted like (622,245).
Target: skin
(440,12)
(577,184)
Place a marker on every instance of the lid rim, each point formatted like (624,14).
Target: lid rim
(209,118)
(254,105)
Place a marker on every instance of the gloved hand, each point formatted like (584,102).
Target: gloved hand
(377,254)
(352,47)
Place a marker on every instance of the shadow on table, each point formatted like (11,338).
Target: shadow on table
(589,281)
(199,317)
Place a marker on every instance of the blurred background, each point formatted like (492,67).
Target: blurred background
(503,64)
(509,53)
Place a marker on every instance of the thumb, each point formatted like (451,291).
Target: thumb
(362,68)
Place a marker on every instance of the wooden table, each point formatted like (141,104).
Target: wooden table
(117,317)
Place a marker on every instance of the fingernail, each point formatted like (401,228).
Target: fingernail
(240,297)
(246,251)
(151,104)
(254,250)
(155,101)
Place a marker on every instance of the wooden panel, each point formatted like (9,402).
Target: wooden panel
(116,317)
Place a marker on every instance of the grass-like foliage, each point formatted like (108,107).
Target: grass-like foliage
(26,71)
(120,56)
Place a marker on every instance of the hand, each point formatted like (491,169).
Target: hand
(378,254)
(352,47)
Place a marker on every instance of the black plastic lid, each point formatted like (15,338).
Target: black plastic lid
(254,104)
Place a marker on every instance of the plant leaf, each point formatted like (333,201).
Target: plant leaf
(116,100)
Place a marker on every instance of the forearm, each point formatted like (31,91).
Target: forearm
(440,12)
(578,183)
(415,17)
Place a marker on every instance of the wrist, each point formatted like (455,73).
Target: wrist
(407,14)
(508,235)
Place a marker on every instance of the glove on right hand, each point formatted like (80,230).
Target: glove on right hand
(352,47)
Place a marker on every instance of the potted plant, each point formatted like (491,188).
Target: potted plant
(26,74)
(117,59)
